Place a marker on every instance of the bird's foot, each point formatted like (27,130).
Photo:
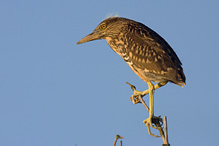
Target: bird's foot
(136,94)
(158,121)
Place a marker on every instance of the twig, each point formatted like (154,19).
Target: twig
(115,142)
(165,131)
(118,137)
(142,101)
(157,120)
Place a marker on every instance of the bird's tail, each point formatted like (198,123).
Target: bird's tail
(181,78)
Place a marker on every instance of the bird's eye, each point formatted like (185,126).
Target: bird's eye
(103,26)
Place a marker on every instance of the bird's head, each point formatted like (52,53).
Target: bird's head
(110,27)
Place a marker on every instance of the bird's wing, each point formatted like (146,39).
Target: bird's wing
(150,52)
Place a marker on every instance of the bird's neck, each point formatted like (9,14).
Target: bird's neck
(116,44)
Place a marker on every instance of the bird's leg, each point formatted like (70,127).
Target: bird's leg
(152,119)
(151,105)
(134,97)
(148,121)
(143,93)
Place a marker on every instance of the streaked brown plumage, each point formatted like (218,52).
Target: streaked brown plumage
(146,52)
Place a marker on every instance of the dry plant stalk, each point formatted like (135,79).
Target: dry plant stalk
(164,133)
(118,137)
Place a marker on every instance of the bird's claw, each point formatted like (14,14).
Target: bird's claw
(152,121)
(135,99)
(136,94)
(158,121)
(149,121)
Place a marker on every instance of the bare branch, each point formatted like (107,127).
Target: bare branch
(118,137)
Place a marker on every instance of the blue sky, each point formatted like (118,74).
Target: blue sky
(56,93)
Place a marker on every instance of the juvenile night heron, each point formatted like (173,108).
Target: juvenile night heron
(146,53)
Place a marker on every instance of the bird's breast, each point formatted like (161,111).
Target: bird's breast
(134,59)
(117,45)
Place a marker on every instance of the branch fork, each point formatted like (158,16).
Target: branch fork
(157,121)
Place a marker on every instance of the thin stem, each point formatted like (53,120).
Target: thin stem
(117,137)
(165,130)
(159,128)
(162,135)
(156,120)
(142,101)
(115,141)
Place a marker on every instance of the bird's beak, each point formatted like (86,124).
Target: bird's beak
(91,37)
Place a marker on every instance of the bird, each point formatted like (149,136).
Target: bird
(146,53)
